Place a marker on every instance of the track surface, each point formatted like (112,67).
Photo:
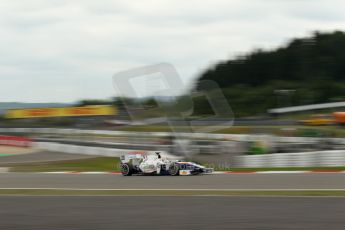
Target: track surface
(234,181)
(71,213)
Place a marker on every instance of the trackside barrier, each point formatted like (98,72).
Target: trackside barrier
(15,141)
(87,150)
(303,159)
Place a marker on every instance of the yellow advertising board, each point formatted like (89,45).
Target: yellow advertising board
(94,110)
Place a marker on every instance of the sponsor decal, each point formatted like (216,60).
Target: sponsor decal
(184,172)
(94,110)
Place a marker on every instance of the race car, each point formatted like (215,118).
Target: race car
(154,164)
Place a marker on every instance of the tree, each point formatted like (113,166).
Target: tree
(314,67)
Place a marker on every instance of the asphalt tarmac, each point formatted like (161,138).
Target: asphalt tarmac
(231,181)
(116,212)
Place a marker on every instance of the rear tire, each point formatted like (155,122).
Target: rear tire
(174,170)
(126,170)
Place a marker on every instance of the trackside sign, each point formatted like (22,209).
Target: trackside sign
(103,110)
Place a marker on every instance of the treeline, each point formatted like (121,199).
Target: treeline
(305,71)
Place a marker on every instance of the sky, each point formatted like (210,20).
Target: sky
(67,50)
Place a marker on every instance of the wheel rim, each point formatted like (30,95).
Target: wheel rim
(174,170)
(124,169)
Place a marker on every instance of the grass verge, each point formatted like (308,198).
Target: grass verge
(108,164)
(334,131)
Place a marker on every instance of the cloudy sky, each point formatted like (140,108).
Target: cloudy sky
(65,50)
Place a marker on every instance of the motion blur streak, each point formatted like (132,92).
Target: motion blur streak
(192,213)
(236,181)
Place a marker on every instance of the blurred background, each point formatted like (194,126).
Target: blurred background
(279,65)
(254,89)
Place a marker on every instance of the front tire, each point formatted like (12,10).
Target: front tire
(174,170)
(126,170)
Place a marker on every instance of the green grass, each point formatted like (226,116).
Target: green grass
(147,128)
(109,164)
(66,192)
(5,155)
(334,131)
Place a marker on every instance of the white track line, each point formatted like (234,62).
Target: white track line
(278,172)
(214,173)
(140,189)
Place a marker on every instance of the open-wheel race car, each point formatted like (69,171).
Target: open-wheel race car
(155,164)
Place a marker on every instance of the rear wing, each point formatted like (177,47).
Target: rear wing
(127,158)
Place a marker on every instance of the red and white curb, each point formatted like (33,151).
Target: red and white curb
(216,173)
